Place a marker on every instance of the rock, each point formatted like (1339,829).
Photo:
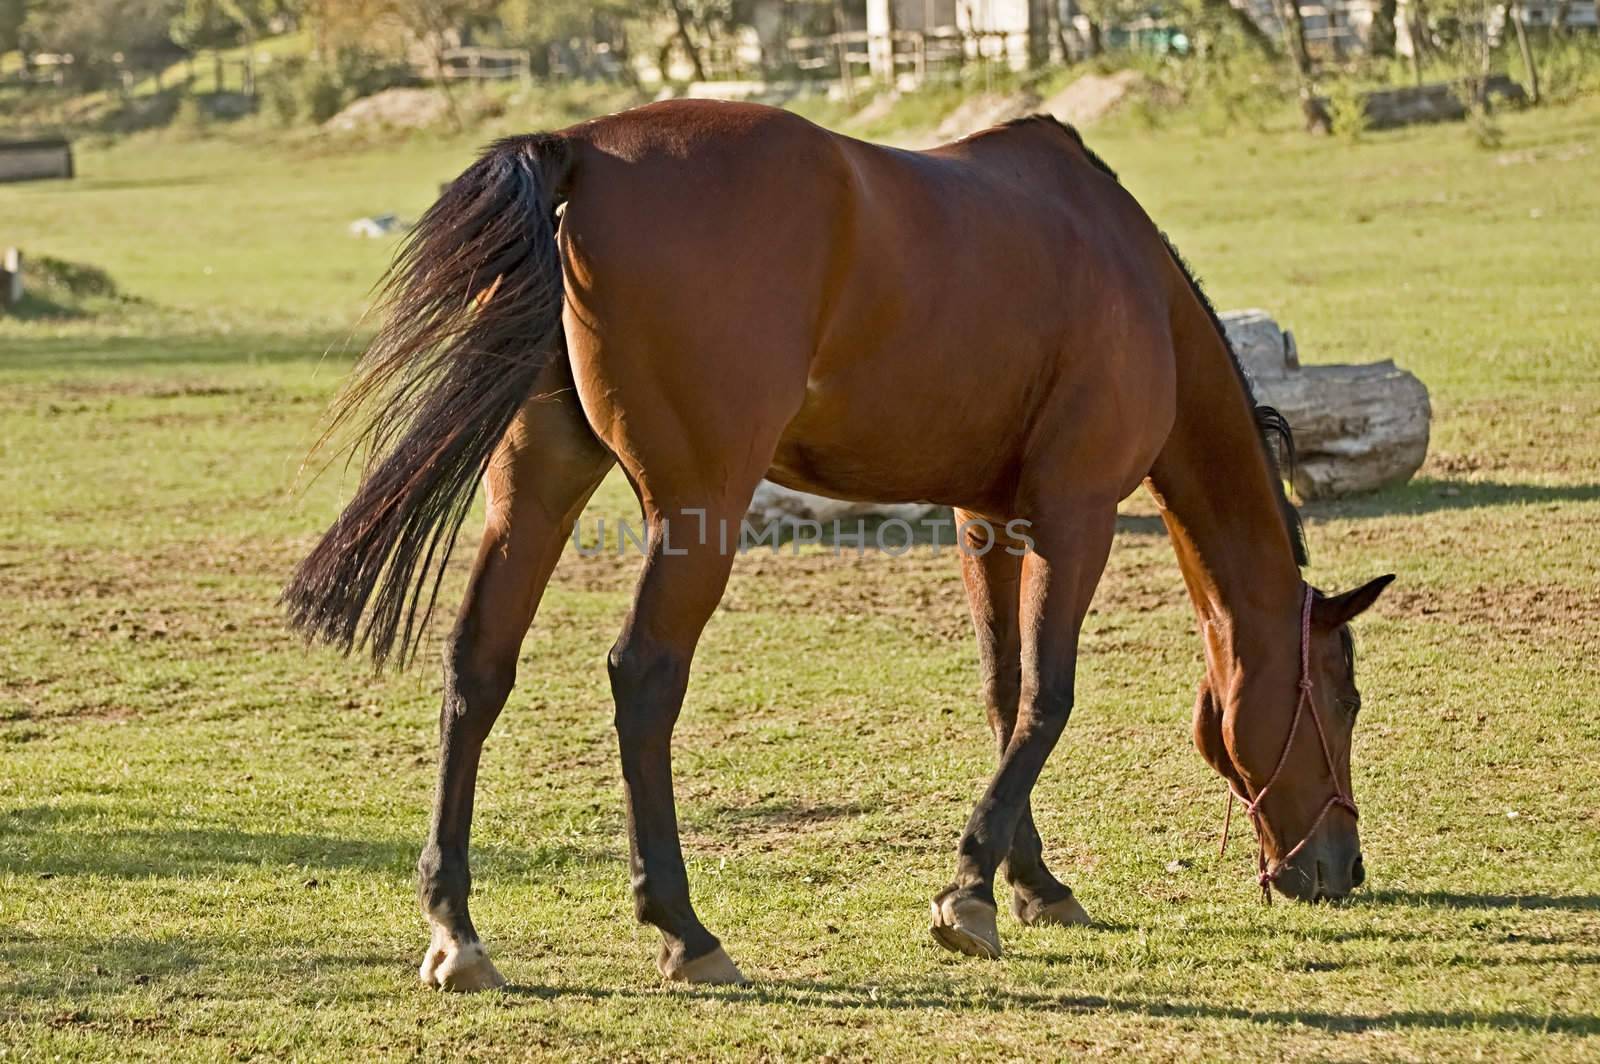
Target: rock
(983,110)
(394,109)
(1356,427)
(1093,96)
(378,225)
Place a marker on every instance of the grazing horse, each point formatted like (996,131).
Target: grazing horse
(711,293)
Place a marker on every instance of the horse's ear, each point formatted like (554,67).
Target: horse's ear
(1342,609)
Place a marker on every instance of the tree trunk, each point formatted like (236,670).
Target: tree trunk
(1382,35)
(1417,28)
(1527,53)
(1318,120)
(684,37)
(1558,20)
(845,81)
(1241,20)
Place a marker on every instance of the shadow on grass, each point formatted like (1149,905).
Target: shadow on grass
(133,354)
(841,996)
(1427,495)
(50,842)
(98,965)
(1422,496)
(785,814)
(1443,899)
(35,307)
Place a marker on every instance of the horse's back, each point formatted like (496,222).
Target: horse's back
(872,298)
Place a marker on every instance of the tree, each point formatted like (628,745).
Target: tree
(96,32)
(1318,120)
(12,14)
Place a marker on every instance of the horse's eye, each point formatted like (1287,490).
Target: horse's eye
(1352,705)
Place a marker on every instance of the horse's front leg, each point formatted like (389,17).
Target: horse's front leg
(537,484)
(1057,581)
(991,569)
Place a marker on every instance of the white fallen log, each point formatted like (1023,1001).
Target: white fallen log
(773,503)
(1356,427)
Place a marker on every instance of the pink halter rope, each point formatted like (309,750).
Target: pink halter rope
(1340,798)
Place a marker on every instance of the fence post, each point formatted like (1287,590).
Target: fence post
(11,278)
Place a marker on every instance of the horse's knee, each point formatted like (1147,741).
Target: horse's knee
(647,678)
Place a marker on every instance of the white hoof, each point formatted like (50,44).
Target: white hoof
(715,968)
(460,966)
(965,925)
(1064,913)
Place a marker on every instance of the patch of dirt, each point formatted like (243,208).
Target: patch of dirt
(1512,609)
(983,110)
(1499,436)
(1094,96)
(392,109)
(767,826)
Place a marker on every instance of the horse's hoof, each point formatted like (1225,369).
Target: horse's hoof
(714,969)
(462,968)
(1064,913)
(965,925)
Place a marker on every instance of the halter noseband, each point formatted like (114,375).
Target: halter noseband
(1340,798)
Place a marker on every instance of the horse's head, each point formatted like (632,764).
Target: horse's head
(1280,733)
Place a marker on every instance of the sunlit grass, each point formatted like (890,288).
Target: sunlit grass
(206,833)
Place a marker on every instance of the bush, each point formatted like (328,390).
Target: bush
(321,94)
(295,89)
(1348,110)
(1569,66)
(279,91)
(362,72)
(78,280)
(190,119)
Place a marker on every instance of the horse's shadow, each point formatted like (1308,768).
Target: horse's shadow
(63,840)
(1424,495)
(913,998)
(1442,899)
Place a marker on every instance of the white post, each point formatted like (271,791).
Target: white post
(880,42)
(11,278)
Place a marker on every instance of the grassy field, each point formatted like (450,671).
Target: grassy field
(207,833)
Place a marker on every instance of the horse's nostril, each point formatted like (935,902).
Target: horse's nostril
(1358,872)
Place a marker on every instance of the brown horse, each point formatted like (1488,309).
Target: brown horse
(731,292)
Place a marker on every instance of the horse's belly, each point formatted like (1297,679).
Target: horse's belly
(889,429)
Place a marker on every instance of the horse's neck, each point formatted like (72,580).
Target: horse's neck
(1218,499)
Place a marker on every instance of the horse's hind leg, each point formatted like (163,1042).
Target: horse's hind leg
(993,579)
(691,549)
(538,481)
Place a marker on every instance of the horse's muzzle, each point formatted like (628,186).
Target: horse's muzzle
(1323,873)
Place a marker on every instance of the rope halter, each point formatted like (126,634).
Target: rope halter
(1339,799)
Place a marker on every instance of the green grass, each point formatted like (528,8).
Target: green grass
(206,832)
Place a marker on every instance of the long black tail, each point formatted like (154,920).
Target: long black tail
(473,313)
